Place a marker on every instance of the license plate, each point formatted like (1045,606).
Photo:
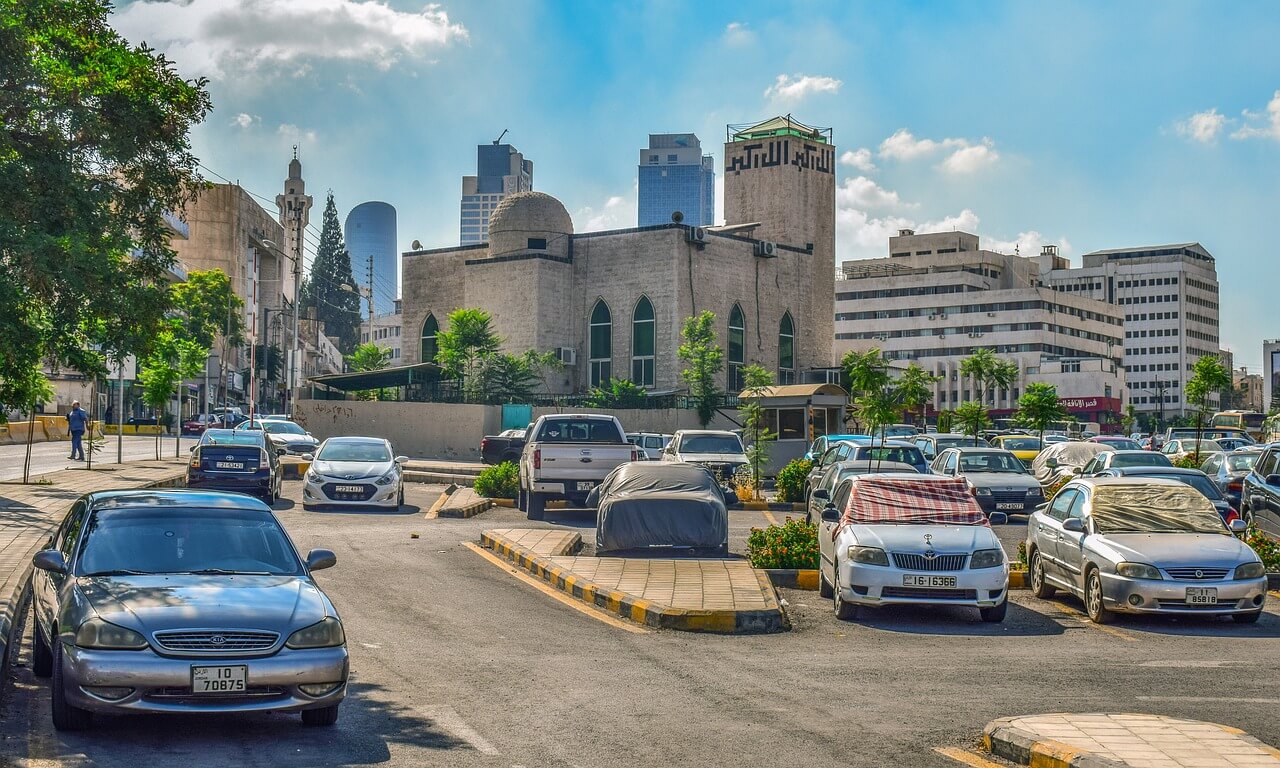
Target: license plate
(1010,505)
(585,485)
(228,465)
(939,582)
(232,679)
(348,488)
(1202,595)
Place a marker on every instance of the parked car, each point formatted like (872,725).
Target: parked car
(897,451)
(836,452)
(1234,443)
(142,421)
(284,434)
(820,445)
(933,444)
(649,443)
(820,497)
(661,508)
(1228,471)
(889,539)
(1110,459)
(567,456)
(1205,433)
(507,445)
(1117,443)
(230,460)
(719,451)
(999,480)
(1192,477)
(1063,459)
(1260,494)
(1025,447)
(354,472)
(896,431)
(199,423)
(1055,439)
(1143,546)
(1182,447)
(133,611)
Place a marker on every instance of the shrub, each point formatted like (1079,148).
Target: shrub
(1022,556)
(1189,461)
(743,487)
(1267,549)
(794,544)
(501,481)
(791,480)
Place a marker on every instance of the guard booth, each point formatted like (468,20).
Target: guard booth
(798,414)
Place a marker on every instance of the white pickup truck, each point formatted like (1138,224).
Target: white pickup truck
(568,454)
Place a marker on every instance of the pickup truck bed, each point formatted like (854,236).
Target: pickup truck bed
(567,456)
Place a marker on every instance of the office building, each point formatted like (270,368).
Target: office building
(370,231)
(386,332)
(673,176)
(500,171)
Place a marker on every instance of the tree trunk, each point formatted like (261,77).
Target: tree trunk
(31,428)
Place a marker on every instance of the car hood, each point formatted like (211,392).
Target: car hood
(153,603)
(714,458)
(1001,480)
(352,470)
(1177,549)
(284,438)
(910,538)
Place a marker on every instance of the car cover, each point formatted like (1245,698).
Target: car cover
(1153,507)
(878,499)
(1066,455)
(644,505)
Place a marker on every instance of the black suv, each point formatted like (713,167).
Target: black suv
(1260,496)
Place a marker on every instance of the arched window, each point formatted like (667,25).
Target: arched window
(642,343)
(429,347)
(737,348)
(601,350)
(786,350)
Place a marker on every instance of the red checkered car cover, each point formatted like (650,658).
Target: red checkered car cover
(876,500)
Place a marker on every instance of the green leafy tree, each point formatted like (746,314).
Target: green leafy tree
(971,417)
(617,393)
(867,376)
(1130,419)
(507,378)
(209,308)
(338,309)
(462,348)
(173,357)
(369,357)
(756,381)
(704,360)
(915,389)
(1039,407)
(944,421)
(1208,376)
(989,372)
(94,150)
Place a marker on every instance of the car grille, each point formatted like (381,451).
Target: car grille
(366,492)
(1183,606)
(1009,497)
(300,447)
(930,594)
(213,641)
(911,562)
(179,695)
(1198,574)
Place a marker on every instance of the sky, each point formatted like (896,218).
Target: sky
(1088,125)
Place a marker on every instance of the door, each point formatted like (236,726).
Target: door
(1048,529)
(1264,499)
(516,416)
(47,584)
(826,530)
(1071,545)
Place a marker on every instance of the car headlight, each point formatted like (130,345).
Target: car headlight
(986,558)
(96,633)
(981,491)
(1250,571)
(1035,491)
(1139,571)
(868,555)
(386,479)
(325,633)
(313,476)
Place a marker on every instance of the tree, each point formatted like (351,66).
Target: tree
(94,151)
(209,307)
(756,381)
(506,378)
(1039,407)
(173,358)
(989,373)
(462,348)
(369,357)
(617,393)
(338,309)
(1208,376)
(915,389)
(1130,418)
(971,417)
(704,360)
(867,374)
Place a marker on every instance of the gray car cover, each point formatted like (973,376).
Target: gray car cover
(643,505)
(1065,456)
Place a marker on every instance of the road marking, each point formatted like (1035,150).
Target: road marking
(451,721)
(1192,663)
(1208,699)
(555,593)
(968,757)
(769,516)
(1080,617)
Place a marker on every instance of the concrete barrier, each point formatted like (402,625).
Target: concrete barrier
(4,435)
(55,427)
(131,429)
(20,430)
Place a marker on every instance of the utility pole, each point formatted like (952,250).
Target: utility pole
(370,297)
(294,352)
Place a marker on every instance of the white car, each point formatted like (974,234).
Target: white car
(354,472)
(285,434)
(910,539)
(717,450)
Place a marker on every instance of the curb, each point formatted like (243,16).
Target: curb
(508,503)
(794,578)
(768,506)
(438,478)
(1022,747)
(470,510)
(636,609)
(1018,580)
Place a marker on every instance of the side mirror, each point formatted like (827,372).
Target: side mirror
(401,459)
(192,448)
(1073,525)
(593,498)
(308,457)
(822,493)
(730,498)
(1051,463)
(319,559)
(1273,479)
(830,514)
(281,451)
(998,518)
(1238,526)
(50,560)
(1077,470)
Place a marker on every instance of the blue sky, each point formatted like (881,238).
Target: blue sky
(1089,125)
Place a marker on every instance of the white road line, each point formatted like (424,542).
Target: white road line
(1208,699)
(448,719)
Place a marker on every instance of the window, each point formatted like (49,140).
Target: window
(537,243)
(791,424)
(653,159)
(430,328)
(786,350)
(737,348)
(672,158)
(642,332)
(601,344)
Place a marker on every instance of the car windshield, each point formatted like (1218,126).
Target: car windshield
(283,428)
(900,430)
(228,437)
(580,431)
(1242,462)
(958,442)
(710,444)
(1198,481)
(1153,508)
(1121,444)
(362,451)
(991,462)
(900,454)
(1142,459)
(1020,443)
(168,540)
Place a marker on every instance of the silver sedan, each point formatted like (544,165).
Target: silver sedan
(183,601)
(1143,546)
(354,471)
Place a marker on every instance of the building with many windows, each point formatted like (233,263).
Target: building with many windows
(370,232)
(500,171)
(674,176)
(386,332)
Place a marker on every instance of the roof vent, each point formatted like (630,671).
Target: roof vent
(906,232)
(1048,250)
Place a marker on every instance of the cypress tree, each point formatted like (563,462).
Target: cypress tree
(339,310)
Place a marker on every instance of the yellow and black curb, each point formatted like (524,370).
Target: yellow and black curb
(768,506)
(294,470)
(1024,748)
(793,578)
(641,611)
(1018,580)
(458,502)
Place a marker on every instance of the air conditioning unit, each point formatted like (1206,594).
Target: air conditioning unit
(991,314)
(567,355)
(696,235)
(942,317)
(933,317)
(766,249)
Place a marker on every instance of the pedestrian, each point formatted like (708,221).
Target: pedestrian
(77,420)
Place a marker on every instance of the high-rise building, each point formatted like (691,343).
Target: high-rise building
(675,176)
(500,171)
(370,231)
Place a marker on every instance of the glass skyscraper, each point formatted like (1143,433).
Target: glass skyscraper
(500,171)
(371,231)
(675,176)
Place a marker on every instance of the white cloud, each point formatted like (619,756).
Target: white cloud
(613,214)
(1262,126)
(903,145)
(965,156)
(859,158)
(245,120)
(970,159)
(863,193)
(295,135)
(208,37)
(793,88)
(1203,127)
(736,33)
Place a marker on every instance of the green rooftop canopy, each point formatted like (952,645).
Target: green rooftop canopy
(382,378)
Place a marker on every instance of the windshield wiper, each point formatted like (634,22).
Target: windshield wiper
(226,572)
(122,572)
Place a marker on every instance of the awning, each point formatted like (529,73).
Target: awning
(796,390)
(401,376)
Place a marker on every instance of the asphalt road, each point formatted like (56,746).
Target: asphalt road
(456,662)
(49,457)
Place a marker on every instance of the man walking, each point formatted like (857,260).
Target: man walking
(77,420)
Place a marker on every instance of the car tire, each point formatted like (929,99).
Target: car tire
(536,505)
(321,717)
(521,500)
(66,717)
(400,500)
(1094,606)
(510,457)
(824,586)
(1246,618)
(844,611)
(995,614)
(41,654)
(1039,586)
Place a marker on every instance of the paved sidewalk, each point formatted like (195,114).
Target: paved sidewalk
(1125,741)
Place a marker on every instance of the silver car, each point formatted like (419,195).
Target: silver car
(185,602)
(1000,480)
(1143,546)
(354,471)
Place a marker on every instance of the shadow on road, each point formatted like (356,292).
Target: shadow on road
(1268,625)
(957,621)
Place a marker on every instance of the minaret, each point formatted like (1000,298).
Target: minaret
(295,213)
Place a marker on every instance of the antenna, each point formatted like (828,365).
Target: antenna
(498,140)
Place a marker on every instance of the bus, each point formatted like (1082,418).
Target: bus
(1250,421)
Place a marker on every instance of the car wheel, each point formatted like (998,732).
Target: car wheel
(400,501)
(824,586)
(996,614)
(511,457)
(1247,618)
(1093,604)
(1039,587)
(844,611)
(320,717)
(41,655)
(521,500)
(536,506)
(65,716)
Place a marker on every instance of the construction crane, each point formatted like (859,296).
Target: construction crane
(498,140)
